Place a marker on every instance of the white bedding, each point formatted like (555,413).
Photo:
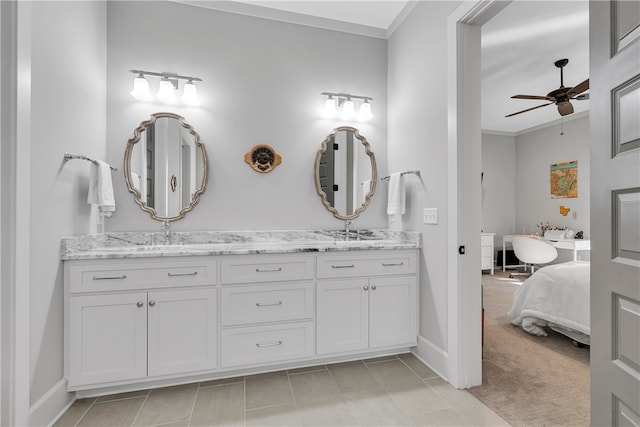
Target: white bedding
(556,296)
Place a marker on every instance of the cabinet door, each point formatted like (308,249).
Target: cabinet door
(107,338)
(182,331)
(342,315)
(393,319)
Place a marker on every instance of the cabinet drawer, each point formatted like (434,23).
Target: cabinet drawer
(486,251)
(352,265)
(264,344)
(111,275)
(248,269)
(486,263)
(486,240)
(266,303)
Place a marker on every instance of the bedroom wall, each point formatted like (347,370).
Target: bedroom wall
(535,152)
(498,185)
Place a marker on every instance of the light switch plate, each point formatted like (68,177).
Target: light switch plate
(430,215)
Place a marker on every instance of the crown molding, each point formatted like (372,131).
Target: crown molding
(288,17)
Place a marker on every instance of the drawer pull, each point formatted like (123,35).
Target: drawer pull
(397,264)
(343,266)
(152,303)
(268,344)
(262,304)
(140,304)
(275,270)
(110,278)
(195,273)
(373,287)
(366,287)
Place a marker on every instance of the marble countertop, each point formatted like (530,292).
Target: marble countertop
(150,244)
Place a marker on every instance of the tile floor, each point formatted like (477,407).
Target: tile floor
(388,391)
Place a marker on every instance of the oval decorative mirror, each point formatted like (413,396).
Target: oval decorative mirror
(345,173)
(165,166)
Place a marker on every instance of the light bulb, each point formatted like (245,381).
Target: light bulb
(330,107)
(190,95)
(141,89)
(348,111)
(365,111)
(165,91)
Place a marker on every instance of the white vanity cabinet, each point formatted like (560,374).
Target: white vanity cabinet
(121,327)
(142,322)
(366,301)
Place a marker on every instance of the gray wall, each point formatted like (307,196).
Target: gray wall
(535,152)
(498,186)
(262,84)
(68,98)
(418,140)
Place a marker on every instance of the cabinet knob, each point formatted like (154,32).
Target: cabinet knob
(366,287)
(152,303)
(140,304)
(373,287)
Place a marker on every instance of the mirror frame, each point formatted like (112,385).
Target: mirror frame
(374,173)
(127,166)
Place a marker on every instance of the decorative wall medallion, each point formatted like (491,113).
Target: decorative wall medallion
(262,158)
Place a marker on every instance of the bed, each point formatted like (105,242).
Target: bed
(557,297)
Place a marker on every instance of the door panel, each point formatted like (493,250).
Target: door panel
(108,338)
(182,331)
(615,223)
(392,312)
(342,315)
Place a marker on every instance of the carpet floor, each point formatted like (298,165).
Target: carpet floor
(529,380)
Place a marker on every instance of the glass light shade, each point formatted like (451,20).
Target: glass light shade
(348,111)
(190,95)
(141,89)
(330,107)
(365,111)
(165,91)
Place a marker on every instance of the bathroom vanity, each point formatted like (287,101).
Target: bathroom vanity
(209,305)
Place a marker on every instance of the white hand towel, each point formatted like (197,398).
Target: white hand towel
(101,189)
(396,199)
(366,187)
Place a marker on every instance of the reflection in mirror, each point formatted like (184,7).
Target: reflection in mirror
(165,166)
(345,173)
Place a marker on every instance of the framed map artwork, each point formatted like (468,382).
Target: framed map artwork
(564,180)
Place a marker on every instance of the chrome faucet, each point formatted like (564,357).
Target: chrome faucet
(347,227)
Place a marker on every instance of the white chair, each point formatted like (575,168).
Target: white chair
(532,252)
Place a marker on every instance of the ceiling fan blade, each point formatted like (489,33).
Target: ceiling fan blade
(565,108)
(543,98)
(581,97)
(579,89)
(528,109)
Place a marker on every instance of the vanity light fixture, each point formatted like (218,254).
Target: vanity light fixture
(345,106)
(167,87)
(141,89)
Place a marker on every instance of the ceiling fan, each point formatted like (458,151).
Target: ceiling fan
(561,96)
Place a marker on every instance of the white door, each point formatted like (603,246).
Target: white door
(107,338)
(615,212)
(392,312)
(342,316)
(182,331)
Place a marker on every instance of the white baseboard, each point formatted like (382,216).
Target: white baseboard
(432,356)
(51,406)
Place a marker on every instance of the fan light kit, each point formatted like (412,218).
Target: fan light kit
(561,96)
(341,105)
(167,87)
